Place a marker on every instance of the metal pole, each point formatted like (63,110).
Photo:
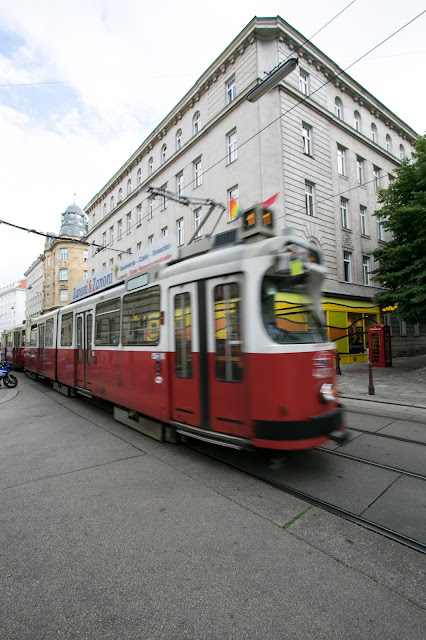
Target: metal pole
(370,380)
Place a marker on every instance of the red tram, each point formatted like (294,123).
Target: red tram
(13,346)
(226,346)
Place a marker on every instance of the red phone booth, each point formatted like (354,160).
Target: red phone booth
(379,345)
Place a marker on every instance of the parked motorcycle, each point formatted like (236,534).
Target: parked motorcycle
(9,380)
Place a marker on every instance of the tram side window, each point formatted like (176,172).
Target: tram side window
(183,335)
(33,336)
(66,330)
(107,327)
(228,356)
(16,339)
(22,338)
(141,317)
(48,336)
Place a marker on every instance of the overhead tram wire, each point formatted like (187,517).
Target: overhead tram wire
(301,101)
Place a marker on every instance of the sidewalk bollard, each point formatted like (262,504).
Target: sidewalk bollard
(370,380)
(338,372)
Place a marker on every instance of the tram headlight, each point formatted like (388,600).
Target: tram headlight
(328,393)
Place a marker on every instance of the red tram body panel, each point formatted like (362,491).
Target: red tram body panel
(226,346)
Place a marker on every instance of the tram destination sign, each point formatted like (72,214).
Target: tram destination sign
(157,253)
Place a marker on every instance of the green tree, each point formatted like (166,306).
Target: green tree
(402,261)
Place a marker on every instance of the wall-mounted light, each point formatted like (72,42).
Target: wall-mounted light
(272,79)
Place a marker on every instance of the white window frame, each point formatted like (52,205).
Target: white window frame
(104,212)
(120,229)
(304,82)
(374,133)
(307,139)
(104,240)
(120,195)
(180,232)
(341,160)
(63,274)
(198,218)
(338,108)
(111,236)
(179,184)
(196,123)
(64,254)
(151,239)
(63,295)
(111,206)
(380,230)
(363,220)
(139,215)
(151,166)
(164,232)
(163,153)
(310,198)
(357,121)
(178,139)
(347,266)
(366,270)
(163,205)
(129,223)
(344,213)
(129,186)
(376,177)
(233,194)
(231,90)
(198,173)
(139,177)
(150,207)
(232,146)
(401,152)
(388,143)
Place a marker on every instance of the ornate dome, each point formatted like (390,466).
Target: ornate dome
(73,222)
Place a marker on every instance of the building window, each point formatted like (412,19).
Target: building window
(139,246)
(363,220)
(48,298)
(85,275)
(310,198)
(374,135)
(64,254)
(338,108)
(416,329)
(150,166)
(231,90)
(180,232)
(129,186)
(380,230)
(111,206)
(231,146)
(198,173)
(391,178)
(120,194)
(341,160)
(376,178)
(344,213)
(139,178)
(150,239)
(48,280)
(129,223)
(86,255)
(401,152)
(307,139)
(150,208)
(48,261)
(120,257)
(233,199)
(366,270)
(402,327)
(111,236)
(179,184)
(163,153)
(179,139)
(198,218)
(63,295)
(111,262)
(163,198)
(196,123)
(104,211)
(347,266)
(104,242)
(63,274)
(164,232)
(360,170)
(304,82)
(388,143)
(357,121)
(120,229)
(139,215)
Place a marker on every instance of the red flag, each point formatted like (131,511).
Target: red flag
(268,203)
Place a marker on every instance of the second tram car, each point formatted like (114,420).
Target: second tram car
(13,346)
(226,346)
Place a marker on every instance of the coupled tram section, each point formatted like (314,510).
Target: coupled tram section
(221,342)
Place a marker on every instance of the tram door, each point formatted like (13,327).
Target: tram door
(40,356)
(207,376)
(84,326)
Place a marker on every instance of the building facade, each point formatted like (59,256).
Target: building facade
(319,140)
(12,305)
(34,293)
(65,259)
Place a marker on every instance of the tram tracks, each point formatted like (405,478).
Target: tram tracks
(355,518)
(372,463)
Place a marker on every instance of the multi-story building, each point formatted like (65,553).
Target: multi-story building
(318,139)
(12,305)
(65,259)
(34,297)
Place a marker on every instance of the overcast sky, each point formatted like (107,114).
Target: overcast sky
(84,82)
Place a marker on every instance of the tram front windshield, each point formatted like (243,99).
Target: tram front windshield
(288,312)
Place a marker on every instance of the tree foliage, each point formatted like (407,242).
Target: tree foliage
(402,261)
